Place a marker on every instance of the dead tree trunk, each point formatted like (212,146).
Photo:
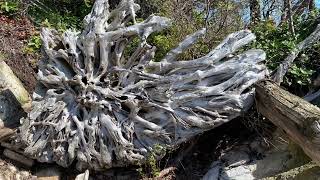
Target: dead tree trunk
(255,11)
(297,117)
(291,25)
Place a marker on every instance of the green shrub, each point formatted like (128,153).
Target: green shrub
(60,14)
(34,45)
(278,42)
(9,7)
(152,165)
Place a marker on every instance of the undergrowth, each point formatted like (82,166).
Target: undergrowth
(151,168)
(278,42)
(9,7)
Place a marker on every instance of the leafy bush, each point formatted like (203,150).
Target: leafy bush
(278,42)
(34,45)
(152,165)
(60,14)
(9,7)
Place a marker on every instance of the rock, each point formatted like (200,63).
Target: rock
(316,82)
(236,157)
(238,173)
(83,176)
(284,160)
(10,109)
(18,158)
(214,172)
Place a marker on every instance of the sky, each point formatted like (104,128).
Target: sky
(318,3)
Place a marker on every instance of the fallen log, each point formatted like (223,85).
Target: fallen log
(18,158)
(297,117)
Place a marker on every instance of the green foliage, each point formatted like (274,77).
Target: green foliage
(152,166)
(9,7)
(131,47)
(152,161)
(188,18)
(60,14)
(163,43)
(34,45)
(3,56)
(301,74)
(278,42)
(169,39)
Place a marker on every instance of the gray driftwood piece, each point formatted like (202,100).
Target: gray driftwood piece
(14,101)
(10,82)
(104,106)
(297,117)
(18,158)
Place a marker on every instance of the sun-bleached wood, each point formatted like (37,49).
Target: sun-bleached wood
(103,101)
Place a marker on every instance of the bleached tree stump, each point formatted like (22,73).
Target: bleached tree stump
(104,107)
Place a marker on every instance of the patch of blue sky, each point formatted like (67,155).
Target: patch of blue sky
(318,3)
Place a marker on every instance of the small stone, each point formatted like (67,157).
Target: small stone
(239,173)
(214,172)
(25,173)
(257,146)
(2,163)
(12,168)
(18,176)
(83,176)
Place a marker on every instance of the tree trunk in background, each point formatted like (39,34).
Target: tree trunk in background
(312,5)
(300,7)
(291,25)
(255,11)
(284,15)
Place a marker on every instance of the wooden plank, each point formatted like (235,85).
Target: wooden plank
(297,117)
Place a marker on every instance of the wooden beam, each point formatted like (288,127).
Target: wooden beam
(297,117)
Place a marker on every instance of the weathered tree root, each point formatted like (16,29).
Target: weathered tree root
(105,107)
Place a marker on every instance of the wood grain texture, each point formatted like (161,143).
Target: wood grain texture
(104,101)
(297,117)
